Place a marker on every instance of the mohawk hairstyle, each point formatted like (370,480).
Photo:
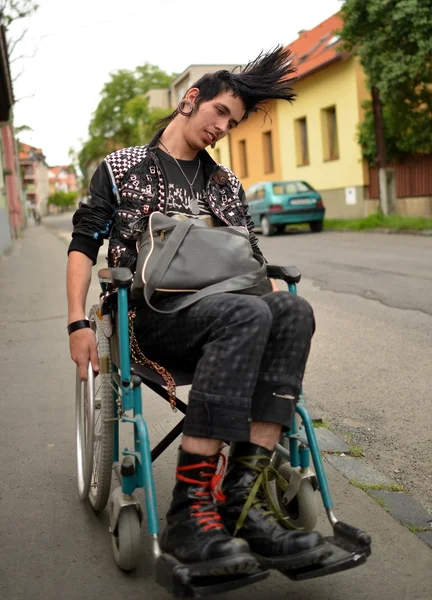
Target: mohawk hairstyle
(268,77)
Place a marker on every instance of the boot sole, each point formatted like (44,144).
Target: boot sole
(306,558)
(241,564)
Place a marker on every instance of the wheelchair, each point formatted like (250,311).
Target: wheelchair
(113,396)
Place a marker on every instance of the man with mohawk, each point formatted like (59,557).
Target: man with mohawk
(249,352)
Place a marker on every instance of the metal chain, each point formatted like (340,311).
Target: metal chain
(179,166)
(139,358)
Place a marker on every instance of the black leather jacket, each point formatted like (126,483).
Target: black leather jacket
(128,186)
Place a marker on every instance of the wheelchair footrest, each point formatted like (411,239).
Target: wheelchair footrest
(189,581)
(341,559)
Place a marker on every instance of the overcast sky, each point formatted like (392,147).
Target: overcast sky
(80,42)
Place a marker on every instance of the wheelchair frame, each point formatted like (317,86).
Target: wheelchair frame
(350,546)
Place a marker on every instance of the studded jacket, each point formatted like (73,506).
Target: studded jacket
(128,186)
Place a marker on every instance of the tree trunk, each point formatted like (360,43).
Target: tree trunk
(385,176)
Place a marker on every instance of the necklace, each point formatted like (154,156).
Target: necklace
(194,206)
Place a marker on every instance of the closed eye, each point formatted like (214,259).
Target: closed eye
(222,110)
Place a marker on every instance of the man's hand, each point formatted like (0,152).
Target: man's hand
(275,287)
(83,349)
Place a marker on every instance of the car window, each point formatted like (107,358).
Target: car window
(302,186)
(290,187)
(260,193)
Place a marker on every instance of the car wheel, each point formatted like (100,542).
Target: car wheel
(316,226)
(266,227)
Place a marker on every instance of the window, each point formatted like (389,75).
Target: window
(243,159)
(268,152)
(330,133)
(291,187)
(260,192)
(301,141)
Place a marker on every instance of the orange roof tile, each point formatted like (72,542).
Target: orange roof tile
(318,47)
(25,149)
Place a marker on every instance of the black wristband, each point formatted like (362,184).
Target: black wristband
(82,324)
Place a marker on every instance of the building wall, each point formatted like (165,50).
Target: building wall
(5,233)
(221,153)
(158,98)
(42,186)
(336,85)
(13,182)
(252,132)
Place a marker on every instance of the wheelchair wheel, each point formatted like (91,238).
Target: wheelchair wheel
(126,542)
(302,510)
(95,428)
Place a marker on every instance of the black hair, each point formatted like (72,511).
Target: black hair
(268,77)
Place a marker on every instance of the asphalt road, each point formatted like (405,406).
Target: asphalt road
(369,372)
(395,270)
(370,369)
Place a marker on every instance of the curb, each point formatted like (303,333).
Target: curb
(386,492)
(418,232)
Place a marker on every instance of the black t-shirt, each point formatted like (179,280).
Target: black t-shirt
(181,202)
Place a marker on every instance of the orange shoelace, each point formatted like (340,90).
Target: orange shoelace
(210,484)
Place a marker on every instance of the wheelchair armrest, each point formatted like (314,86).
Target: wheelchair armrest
(289,274)
(119,277)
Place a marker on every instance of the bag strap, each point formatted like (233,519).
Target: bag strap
(233,284)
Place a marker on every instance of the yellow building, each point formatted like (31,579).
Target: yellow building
(315,138)
(255,147)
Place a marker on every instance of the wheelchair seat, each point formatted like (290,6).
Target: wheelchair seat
(148,375)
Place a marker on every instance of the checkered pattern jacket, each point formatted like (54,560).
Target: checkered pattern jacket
(128,186)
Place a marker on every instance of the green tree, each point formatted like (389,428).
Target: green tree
(393,39)
(63,200)
(122,117)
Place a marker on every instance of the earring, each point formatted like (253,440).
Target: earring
(181,109)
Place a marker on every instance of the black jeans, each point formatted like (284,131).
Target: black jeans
(249,354)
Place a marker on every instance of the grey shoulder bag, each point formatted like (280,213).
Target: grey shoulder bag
(189,256)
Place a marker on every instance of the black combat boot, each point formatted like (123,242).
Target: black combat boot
(246,512)
(195,533)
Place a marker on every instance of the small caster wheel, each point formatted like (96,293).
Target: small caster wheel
(126,542)
(302,510)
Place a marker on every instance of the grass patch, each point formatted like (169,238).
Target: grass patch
(356,451)
(323,424)
(415,529)
(394,487)
(379,221)
(380,502)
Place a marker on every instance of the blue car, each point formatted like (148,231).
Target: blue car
(275,204)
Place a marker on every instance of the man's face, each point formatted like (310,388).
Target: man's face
(213,119)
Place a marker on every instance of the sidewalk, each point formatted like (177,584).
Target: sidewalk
(52,545)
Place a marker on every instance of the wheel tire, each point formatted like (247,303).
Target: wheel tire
(302,511)
(126,542)
(95,428)
(280,229)
(267,229)
(316,226)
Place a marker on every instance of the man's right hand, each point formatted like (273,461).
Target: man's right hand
(83,349)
